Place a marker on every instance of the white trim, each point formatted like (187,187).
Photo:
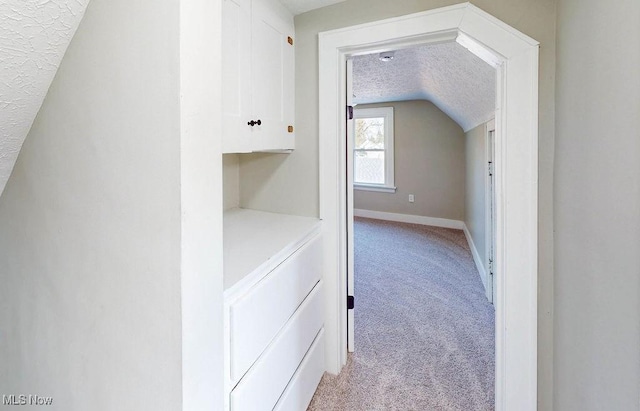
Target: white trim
(201,249)
(489,228)
(376,188)
(516,171)
(476,257)
(350,320)
(409,218)
(478,50)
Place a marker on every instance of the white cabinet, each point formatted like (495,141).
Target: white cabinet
(257,76)
(256,318)
(269,377)
(273,310)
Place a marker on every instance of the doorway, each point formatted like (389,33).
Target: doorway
(416,130)
(515,56)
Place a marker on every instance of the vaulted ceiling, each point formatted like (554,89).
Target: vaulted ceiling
(34,35)
(460,84)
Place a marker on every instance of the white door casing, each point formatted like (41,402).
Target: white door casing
(350,122)
(515,57)
(490,215)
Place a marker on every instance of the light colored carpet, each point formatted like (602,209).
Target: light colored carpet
(424,328)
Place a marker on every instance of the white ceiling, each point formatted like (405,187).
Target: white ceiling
(302,6)
(34,34)
(460,84)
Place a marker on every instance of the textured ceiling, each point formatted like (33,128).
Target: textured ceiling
(34,34)
(301,6)
(455,80)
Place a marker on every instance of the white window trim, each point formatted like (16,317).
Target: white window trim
(379,188)
(389,158)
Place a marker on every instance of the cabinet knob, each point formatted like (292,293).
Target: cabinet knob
(253,123)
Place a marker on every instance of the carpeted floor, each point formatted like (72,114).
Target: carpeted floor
(424,328)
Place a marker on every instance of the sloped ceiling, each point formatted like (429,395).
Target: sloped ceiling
(460,84)
(302,6)
(34,35)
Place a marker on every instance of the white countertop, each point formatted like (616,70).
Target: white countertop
(255,242)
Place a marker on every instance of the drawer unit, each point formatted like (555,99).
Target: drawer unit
(303,385)
(263,385)
(257,316)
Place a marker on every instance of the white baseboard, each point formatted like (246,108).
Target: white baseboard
(408,218)
(477,259)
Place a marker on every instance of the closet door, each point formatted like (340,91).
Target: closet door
(236,76)
(273,76)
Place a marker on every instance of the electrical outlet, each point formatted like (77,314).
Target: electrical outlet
(411,198)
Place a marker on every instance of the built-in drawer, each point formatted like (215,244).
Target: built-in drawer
(303,385)
(256,317)
(264,383)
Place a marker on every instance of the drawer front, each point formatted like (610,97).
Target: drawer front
(303,385)
(256,318)
(265,382)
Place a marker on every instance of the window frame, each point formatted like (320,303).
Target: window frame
(389,160)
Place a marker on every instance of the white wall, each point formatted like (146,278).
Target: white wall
(231,172)
(597,203)
(282,183)
(535,18)
(475,206)
(429,163)
(90,222)
(201,194)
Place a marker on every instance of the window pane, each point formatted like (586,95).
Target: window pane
(369,167)
(370,133)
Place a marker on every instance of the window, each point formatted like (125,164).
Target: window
(373,150)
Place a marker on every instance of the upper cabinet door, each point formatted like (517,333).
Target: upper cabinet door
(236,76)
(273,63)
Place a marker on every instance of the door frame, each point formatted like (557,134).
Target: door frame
(350,137)
(489,216)
(515,57)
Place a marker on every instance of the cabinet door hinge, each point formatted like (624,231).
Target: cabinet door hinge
(350,302)
(490,168)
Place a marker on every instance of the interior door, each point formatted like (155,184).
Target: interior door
(350,240)
(491,212)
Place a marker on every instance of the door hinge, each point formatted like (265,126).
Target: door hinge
(490,168)
(350,302)
(490,267)
(349,112)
